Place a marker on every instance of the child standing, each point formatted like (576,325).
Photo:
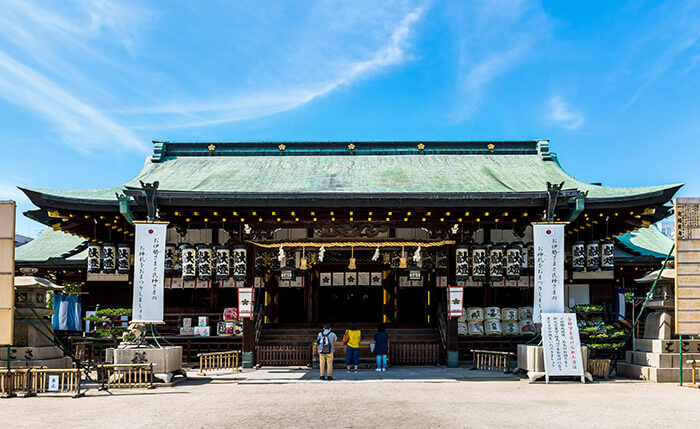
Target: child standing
(381,347)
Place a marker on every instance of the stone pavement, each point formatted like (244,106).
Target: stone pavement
(413,374)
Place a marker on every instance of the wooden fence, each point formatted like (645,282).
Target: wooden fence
(290,354)
(125,376)
(219,361)
(414,354)
(32,381)
(492,360)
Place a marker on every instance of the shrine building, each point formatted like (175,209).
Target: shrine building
(341,232)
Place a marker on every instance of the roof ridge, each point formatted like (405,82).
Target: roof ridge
(167,149)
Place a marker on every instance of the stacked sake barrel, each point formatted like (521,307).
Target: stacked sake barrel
(499,321)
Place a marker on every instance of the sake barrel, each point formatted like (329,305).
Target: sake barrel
(524,313)
(526,327)
(510,327)
(461,327)
(509,314)
(492,313)
(475,328)
(493,327)
(475,314)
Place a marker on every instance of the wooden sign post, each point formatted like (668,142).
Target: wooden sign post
(687,256)
(7,272)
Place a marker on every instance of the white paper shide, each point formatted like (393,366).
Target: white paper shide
(549,269)
(149,265)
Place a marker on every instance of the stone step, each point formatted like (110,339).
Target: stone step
(656,375)
(659,360)
(666,346)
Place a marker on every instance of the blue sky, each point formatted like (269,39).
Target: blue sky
(86,85)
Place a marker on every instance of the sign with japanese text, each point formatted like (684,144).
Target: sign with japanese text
(455,295)
(245,302)
(149,271)
(562,345)
(7,271)
(549,269)
(687,259)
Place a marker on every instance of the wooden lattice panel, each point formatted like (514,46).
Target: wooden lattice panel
(687,257)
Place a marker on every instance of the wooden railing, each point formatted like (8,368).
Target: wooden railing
(125,376)
(414,354)
(291,354)
(55,380)
(40,380)
(13,380)
(492,361)
(220,361)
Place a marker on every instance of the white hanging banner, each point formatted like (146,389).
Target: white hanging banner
(456,295)
(245,302)
(549,269)
(562,345)
(149,266)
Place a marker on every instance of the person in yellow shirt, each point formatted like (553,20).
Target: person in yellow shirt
(352,348)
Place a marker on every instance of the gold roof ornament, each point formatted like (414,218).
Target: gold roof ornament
(421,146)
(211,147)
(491,146)
(351,146)
(282,147)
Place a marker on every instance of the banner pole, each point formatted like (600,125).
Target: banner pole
(680,357)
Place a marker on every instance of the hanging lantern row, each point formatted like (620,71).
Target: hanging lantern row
(108,258)
(205,262)
(593,256)
(496,262)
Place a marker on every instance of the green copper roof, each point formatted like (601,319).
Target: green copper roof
(367,168)
(49,244)
(647,241)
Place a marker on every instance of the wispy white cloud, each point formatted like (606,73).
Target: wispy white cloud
(242,106)
(561,113)
(495,37)
(79,123)
(676,32)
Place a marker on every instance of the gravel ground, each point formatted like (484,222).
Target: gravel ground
(222,402)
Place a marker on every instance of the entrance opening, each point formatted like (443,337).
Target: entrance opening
(411,305)
(292,308)
(350,304)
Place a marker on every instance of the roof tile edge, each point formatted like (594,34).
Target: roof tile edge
(166,149)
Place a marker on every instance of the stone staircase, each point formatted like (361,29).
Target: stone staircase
(659,360)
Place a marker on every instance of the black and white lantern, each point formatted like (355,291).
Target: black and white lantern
(479,263)
(170,255)
(109,258)
(188,260)
(462,263)
(593,256)
(514,261)
(578,256)
(496,262)
(123,258)
(223,259)
(93,258)
(530,255)
(607,262)
(204,261)
(240,256)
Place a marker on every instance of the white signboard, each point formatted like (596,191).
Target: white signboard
(245,302)
(562,345)
(456,294)
(549,269)
(53,384)
(149,265)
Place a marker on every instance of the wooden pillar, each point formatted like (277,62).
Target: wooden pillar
(248,346)
(451,334)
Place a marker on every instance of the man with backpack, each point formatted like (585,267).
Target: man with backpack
(324,342)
